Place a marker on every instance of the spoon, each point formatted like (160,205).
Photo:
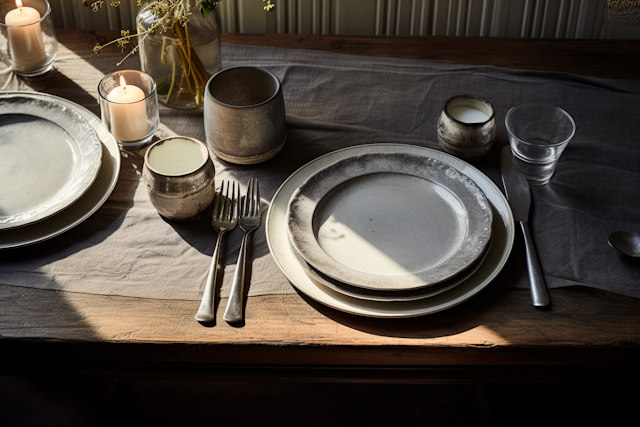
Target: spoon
(625,242)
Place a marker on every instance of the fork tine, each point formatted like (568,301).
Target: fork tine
(233,211)
(256,199)
(248,207)
(216,204)
(227,204)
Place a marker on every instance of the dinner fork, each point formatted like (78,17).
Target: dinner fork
(224,218)
(249,221)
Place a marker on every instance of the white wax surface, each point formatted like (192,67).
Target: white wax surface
(466,114)
(25,38)
(128,113)
(176,156)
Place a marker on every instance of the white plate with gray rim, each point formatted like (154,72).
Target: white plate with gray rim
(89,202)
(377,295)
(285,257)
(389,221)
(50,157)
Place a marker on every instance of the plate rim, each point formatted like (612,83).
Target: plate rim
(89,159)
(107,142)
(426,292)
(401,309)
(311,193)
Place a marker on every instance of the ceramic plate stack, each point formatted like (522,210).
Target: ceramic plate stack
(59,165)
(389,230)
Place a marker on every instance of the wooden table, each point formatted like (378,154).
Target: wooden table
(495,337)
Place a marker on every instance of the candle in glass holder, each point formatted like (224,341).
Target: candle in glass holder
(128,112)
(25,37)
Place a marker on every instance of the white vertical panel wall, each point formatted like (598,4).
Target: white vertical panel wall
(498,18)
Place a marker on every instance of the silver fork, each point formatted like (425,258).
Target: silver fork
(224,218)
(249,221)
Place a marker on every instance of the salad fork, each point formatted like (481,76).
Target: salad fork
(249,221)
(224,218)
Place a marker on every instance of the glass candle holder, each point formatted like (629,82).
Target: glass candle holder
(28,43)
(129,107)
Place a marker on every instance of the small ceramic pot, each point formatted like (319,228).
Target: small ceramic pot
(244,116)
(179,176)
(467,127)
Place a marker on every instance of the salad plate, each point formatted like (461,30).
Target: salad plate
(50,157)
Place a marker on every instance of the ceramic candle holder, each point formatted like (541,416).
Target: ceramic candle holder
(244,117)
(467,127)
(28,43)
(179,177)
(129,107)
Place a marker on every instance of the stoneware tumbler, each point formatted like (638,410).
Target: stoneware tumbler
(467,127)
(179,176)
(244,117)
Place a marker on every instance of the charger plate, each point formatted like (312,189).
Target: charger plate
(389,221)
(285,257)
(91,200)
(50,157)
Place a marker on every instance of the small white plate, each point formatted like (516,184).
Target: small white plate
(389,221)
(50,157)
(86,205)
(278,240)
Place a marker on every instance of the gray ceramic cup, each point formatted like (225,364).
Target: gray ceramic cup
(244,117)
(179,176)
(467,127)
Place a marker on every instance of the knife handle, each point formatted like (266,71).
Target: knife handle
(539,294)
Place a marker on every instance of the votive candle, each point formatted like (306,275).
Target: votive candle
(25,37)
(128,112)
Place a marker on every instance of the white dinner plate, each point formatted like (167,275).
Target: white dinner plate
(90,201)
(389,221)
(377,295)
(50,156)
(278,239)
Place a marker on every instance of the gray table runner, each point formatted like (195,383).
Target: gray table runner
(335,101)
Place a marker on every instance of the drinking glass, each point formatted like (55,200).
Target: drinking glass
(538,134)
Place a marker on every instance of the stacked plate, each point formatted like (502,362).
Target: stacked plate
(388,230)
(58,165)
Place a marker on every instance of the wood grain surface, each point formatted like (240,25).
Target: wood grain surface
(495,337)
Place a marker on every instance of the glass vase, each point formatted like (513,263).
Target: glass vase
(180,58)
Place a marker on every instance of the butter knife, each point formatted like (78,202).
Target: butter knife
(518,193)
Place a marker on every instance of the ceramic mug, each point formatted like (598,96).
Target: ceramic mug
(179,176)
(244,115)
(467,127)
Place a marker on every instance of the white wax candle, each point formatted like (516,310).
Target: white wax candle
(465,114)
(128,112)
(176,156)
(25,37)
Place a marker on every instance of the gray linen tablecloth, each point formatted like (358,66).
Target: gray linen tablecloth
(335,101)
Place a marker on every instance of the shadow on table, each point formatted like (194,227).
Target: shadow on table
(459,319)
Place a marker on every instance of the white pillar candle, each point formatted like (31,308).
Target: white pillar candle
(25,37)
(465,114)
(128,112)
(176,156)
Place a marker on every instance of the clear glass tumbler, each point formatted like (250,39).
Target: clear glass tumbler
(28,43)
(129,107)
(538,134)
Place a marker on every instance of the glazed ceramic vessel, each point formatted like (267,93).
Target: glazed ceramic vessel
(244,115)
(179,176)
(467,127)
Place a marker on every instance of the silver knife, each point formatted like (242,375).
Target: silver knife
(518,193)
